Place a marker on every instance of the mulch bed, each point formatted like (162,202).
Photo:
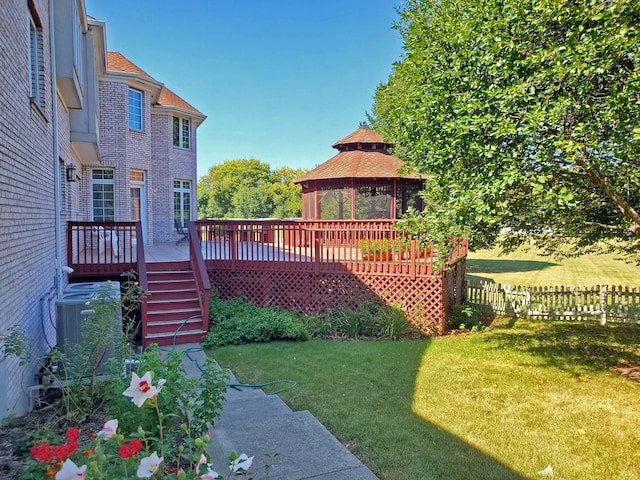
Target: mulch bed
(18,436)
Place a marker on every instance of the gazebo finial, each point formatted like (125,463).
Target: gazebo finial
(365,126)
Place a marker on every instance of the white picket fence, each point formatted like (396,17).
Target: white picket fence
(606,303)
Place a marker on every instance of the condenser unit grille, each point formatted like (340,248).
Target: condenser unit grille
(72,312)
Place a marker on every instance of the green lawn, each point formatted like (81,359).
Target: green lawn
(531,269)
(503,404)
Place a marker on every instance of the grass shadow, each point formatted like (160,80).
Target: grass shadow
(575,347)
(454,458)
(485,266)
(367,404)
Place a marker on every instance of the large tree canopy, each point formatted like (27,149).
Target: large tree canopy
(523,116)
(248,188)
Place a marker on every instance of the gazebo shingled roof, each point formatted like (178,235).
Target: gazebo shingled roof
(362,154)
(364,134)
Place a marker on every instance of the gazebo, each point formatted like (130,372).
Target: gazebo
(361,182)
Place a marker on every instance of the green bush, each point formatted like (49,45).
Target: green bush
(234,322)
(370,320)
(468,318)
(394,322)
(192,400)
(317,325)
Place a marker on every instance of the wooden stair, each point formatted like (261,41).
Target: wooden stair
(173,312)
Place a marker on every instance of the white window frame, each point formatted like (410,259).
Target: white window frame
(136,119)
(179,192)
(103,181)
(36,65)
(182,135)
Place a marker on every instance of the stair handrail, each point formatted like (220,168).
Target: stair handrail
(140,259)
(199,272)
(143,282)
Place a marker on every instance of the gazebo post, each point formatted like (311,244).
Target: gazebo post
(352,213)
(394,211)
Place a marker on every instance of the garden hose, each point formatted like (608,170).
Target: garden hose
(240,386)
(236,386)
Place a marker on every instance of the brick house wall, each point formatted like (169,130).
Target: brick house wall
(27,210)
(122,149)
(30,166)
(170,163)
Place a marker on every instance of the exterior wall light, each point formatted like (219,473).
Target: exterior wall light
(71,173)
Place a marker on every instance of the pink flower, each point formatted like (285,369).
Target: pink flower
(140,390)
(109,429)
(202,461)
(149,465)
(70,471)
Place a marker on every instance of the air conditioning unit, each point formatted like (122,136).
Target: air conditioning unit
(95,287)
(72,311)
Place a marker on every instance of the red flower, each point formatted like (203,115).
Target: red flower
(130,449)
(73,434)
(136,445)
(62,452)
(43,452)
(124,451)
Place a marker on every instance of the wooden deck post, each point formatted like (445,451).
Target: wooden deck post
(412,260)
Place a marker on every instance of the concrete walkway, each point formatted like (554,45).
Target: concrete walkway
(260,425)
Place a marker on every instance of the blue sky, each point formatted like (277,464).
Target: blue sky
(279,80)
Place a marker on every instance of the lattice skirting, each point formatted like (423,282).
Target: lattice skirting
(425,299)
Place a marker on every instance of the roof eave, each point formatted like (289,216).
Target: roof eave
(196,116)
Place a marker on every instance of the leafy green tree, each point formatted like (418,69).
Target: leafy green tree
(287,196)
(217,187)
(523,116)
(253,201)
(249,189)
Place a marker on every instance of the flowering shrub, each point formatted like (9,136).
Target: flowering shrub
(111,455)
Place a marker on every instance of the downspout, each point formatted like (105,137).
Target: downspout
(56,149)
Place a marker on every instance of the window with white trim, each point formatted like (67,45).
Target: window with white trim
(103,195)
(182,201)
(36,60)
(181,132)
(135,109)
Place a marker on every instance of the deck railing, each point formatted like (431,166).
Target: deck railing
(323,246)
(105,248)
(201,275)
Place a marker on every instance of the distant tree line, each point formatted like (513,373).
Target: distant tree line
(249,188)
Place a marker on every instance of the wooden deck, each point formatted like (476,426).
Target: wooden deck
(306,266)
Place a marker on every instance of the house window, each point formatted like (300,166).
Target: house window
(181,132)
(182,201)
(135,109)
(103,195)
(36,61)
